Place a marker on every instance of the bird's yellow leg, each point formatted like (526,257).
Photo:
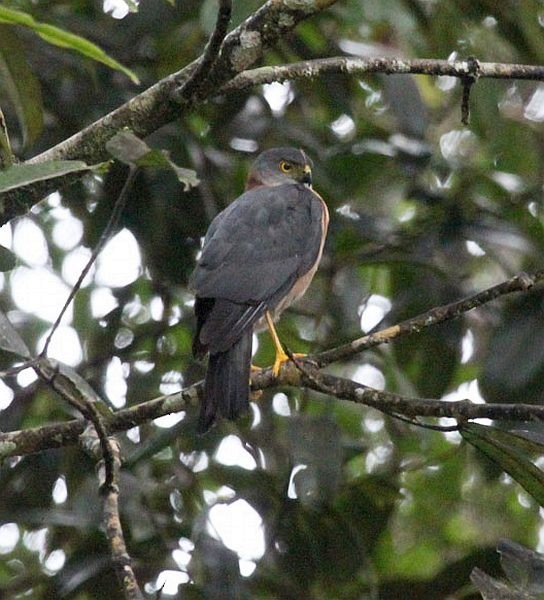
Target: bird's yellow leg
(281,356)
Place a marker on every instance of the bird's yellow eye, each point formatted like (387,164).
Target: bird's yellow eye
(285,166)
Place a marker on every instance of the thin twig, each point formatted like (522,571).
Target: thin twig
(206,62)
(12,371)
(417,423)
(349,65)
(110,227)
(313,377)
(439,314)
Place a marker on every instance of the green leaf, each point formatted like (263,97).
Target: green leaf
(64,39)
(130,149)
(6,154)
(21,85)
(133,5)
(10,340)
(7,259)
(503,448)
(18,176)
(525,441)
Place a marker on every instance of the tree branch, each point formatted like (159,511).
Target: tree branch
(109,487)
(309,69)
(167,100)
(439,314)
(389,402)
(156,106)
(106,450)
(211,52)
(29,441)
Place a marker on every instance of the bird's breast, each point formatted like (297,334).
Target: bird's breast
(303,282)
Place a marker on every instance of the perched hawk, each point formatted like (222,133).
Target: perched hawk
(259,255)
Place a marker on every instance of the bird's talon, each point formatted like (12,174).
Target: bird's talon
(281,358)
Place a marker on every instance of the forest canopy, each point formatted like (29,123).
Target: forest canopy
(402,459)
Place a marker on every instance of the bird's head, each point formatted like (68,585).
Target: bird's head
(280,165)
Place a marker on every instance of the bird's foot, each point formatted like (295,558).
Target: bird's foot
(282,357)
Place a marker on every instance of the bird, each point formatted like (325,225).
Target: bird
(259,255)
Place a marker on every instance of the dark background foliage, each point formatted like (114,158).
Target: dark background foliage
(423,212)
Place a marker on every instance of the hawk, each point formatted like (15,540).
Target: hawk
(259,255)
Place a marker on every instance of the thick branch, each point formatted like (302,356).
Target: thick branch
(156,106)
(28,441)
(168,99)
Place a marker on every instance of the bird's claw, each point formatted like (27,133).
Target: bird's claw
(282,357)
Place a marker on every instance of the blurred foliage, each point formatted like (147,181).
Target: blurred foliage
(423,211)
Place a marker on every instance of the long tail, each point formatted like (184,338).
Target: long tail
(226,388)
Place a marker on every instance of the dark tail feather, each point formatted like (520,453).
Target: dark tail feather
(226,388)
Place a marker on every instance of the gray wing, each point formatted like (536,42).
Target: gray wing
(258,247)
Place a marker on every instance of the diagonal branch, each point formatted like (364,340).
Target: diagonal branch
(439,314)
(156,106)
(29,441)
(211,52)
(104,238)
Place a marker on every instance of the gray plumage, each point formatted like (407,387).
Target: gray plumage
(253,254)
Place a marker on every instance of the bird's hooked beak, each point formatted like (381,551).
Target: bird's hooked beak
(307,177)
